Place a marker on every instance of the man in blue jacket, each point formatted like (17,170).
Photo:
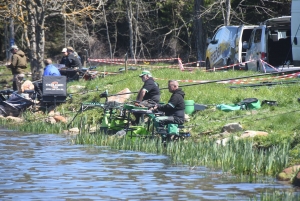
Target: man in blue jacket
(50,69)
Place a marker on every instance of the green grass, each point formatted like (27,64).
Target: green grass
(262,155)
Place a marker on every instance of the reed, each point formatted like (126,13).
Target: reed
(238,157)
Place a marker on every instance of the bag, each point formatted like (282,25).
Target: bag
(173,129)
(250,104)
(227,108)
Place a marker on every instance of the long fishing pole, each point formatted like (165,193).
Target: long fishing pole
(214,81)
(264,84)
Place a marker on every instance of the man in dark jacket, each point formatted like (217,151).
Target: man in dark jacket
(17,66)
(174,109)
(65,57)
(73,61)
(148,92)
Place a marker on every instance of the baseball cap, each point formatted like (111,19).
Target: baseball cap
(14,47)
(64,50)
(145,72)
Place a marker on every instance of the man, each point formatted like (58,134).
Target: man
(65,57)
(17,66)
(50,69)
(174,109)
(149,91)
(73,61)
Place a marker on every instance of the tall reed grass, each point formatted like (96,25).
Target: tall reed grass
(238,157)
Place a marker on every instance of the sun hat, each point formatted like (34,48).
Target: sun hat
(145,72)
(64,50)
(70,48)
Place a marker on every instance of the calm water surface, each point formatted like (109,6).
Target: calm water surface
(48,167)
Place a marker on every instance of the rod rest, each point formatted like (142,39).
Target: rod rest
(29,91)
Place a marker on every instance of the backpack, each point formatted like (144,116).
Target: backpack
(246,104)
(250,104)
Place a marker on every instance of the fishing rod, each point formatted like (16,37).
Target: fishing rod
(264,84)
(214,81)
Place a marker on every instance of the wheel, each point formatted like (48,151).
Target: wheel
(228,63)
(207,64)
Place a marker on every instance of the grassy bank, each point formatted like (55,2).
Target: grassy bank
(266,155)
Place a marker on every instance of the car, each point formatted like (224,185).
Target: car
(269,46)
(225,48)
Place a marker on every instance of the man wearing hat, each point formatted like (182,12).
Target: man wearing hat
(73,61)
(149,91)
(65,57)
(17,66)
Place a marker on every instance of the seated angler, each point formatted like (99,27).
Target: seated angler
(49,70)
(149,92)
(174,109)
(73,60)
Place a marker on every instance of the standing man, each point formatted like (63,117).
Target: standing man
(174,109)
(73,61)
(17,66)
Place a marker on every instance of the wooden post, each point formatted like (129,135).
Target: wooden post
(126,58)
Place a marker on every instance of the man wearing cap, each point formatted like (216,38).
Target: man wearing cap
(65,57)
(73,61)
(17,66)
(149,91)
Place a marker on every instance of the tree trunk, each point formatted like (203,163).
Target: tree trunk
(227,13)
(130,26)
(36,37)
(199,31)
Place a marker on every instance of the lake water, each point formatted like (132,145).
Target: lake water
(48,167)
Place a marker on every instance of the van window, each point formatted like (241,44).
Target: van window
(257,37)
(225,33)
(217,35)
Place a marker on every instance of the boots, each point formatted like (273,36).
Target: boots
(15,88)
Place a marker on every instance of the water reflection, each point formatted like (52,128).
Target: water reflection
(47,167)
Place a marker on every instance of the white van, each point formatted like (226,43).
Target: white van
(269,45)
(295,24)
(225,48)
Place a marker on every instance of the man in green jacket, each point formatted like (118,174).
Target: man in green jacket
(17,66)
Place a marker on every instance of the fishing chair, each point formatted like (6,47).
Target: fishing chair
(170,132)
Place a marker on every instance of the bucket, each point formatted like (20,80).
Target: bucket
(189,106)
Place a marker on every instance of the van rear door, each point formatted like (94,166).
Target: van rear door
(256,46)
(243,34)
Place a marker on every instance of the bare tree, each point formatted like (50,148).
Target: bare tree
(199,30)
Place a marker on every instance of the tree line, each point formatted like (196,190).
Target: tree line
(111,29)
